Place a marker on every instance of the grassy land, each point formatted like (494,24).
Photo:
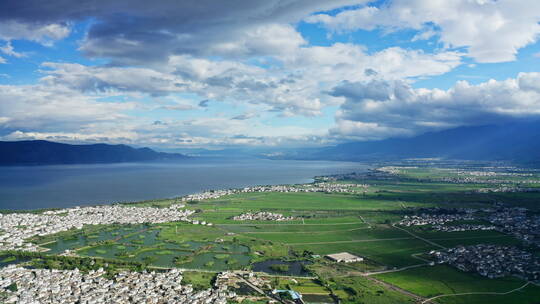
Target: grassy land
(396,253)
(324,223)
(159,203)
(181,232)
(361,290)
(299,201)
(199,280)
(439,280)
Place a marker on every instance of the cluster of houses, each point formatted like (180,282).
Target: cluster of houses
(254,288)
(438,221)
(239,280)
(490,175)
(518,223)
(262,216)
(507,189)
(492,261)
(16,227)
(314,187)
(22,285)
(343,177)
(463,227)
(502,176)
(470,179)
(434,219)
(211,194)
(197,222)
(393,169)
(493,173)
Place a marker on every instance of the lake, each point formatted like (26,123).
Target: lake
(34,187)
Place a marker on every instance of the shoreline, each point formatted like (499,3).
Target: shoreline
(61,187)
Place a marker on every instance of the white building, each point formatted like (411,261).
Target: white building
(344,257)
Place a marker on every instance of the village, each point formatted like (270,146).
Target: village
(262,216)
(518,223)
(436,218)
(491,261)
(507,189)
(463,227)
(314,187)
(22,285)
(471,177)
(27,285)
(17,227)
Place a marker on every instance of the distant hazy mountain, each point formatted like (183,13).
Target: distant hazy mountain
(516,142)
(37,152)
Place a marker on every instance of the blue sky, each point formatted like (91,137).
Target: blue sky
(278,73)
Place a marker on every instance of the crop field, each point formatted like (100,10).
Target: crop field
(324,223)
(329,237)
(358,289)
(294,228)
(444,280)
(395,253)
(300,201)
(181,232)
(451,239)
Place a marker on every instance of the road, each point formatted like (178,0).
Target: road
(257,289)
(395,288)
(476,293)
(364,220)
(418,237)
(393,270)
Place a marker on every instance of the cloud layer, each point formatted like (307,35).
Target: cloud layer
(379,108)
(491,30)
(199,73)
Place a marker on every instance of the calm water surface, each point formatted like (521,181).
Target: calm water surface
(77,185)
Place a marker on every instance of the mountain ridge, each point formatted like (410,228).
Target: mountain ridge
(518,142)
(42,152)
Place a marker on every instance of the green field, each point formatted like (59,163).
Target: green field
(300,202)
(444,280)
(361,224)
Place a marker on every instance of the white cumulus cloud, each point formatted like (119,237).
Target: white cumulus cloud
(491,30)
(380,108)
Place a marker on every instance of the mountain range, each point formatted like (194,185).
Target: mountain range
(40,152)
(519,142)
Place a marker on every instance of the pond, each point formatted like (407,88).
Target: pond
(166,257)
(153,256)
(295,268)
(244,290)
(217,261)
(138,243)
(231,248)
(144,247)
(6,260)
(132,235)
(81,239)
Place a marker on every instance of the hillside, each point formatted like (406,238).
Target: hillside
(514,142)
(40,152)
